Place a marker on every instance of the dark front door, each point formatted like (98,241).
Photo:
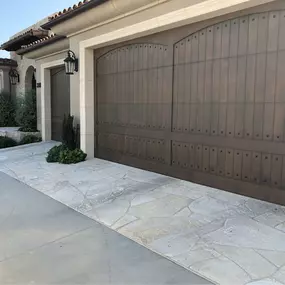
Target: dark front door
(60,101)
(206,105)
(34,83)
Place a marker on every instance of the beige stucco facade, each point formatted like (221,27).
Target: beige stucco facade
(112,23)
(26,66)
(23,65)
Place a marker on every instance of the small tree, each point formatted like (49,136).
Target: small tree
(26,115)
(68,133)
(7,110)
(77,136)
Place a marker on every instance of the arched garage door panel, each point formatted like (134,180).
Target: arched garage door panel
(229,89)
(209,109)
(134,91)
(136,83)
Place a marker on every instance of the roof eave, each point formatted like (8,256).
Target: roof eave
(39,45)
(8,45)
(72,13)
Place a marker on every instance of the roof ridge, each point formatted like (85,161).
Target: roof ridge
(66,10)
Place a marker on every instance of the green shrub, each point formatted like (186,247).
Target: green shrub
(69,152)
(53,153)
(64,155)
(68,156)
(26,113)
(7,110)
(27,130)
(30,139)
(68,132)
(7,142)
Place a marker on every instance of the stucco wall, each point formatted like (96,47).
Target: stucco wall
(23,65)
(23,62)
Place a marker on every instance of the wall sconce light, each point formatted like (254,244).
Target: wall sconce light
(71,63)
(14,76)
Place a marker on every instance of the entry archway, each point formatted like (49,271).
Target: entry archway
(30,79)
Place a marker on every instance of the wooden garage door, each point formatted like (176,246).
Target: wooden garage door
(60,100)
(210,108)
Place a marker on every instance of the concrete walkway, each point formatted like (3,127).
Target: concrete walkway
(45,242)
(227,238)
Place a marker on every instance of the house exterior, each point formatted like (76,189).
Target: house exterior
(193,89)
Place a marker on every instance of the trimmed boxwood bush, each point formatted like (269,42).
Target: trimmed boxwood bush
(53,153)
(68,156)
(7,142)
(30,139)
(64,155)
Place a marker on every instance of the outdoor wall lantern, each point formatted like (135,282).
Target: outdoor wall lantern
(71,63)
(14,76)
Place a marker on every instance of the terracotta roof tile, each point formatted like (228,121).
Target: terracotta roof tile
(66,10)
(39,41)
(71,11)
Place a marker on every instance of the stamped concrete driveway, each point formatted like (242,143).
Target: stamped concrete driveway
(227,238)
(45,242)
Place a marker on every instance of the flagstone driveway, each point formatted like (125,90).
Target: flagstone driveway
(227,238)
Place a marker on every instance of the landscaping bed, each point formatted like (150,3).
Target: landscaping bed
(22,112)
(15,134)
(69,151)
(18,119)
(6,142)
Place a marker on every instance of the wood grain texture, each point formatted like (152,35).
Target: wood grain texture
(211,102)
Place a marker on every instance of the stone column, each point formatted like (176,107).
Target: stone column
(86,75)
(46,104)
